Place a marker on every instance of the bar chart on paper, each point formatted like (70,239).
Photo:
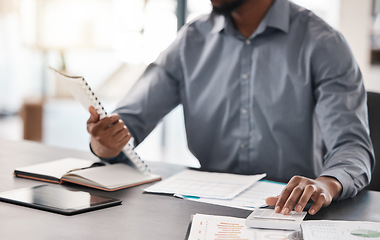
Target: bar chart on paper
(217,228)
(207,227)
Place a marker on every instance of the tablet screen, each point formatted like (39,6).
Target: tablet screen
(57,199)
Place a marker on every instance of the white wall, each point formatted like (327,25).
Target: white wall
(353,18)
(355,23)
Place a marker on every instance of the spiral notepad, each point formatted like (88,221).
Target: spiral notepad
(79,88)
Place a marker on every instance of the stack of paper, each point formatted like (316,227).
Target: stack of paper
(205,184)
(252,197)
(239,191)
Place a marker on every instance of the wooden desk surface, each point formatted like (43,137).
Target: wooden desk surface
(141,216)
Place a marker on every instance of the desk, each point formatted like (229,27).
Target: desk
(141,216)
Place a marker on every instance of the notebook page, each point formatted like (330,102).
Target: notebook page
(56,168)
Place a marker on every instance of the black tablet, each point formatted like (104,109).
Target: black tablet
(57,199)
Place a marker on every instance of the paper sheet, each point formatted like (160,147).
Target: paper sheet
(205,227)
(252,197)
(205,184)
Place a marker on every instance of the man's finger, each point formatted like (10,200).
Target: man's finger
(318,204)
(271,201)
(109,121)
(117,127)
(123,141)
(292,200)
(283,197)
(304,199)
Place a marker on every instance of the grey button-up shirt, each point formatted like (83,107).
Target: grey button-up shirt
(289,100)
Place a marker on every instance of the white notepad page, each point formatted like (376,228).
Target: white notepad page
(80,89)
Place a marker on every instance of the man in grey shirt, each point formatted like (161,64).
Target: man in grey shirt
(266,86)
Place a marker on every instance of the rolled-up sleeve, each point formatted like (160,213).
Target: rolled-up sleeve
(341,112)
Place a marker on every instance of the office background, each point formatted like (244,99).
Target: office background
(110,42)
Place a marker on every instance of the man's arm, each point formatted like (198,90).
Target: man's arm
(155,94)
(341,113)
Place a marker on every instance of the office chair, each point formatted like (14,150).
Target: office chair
(373,101)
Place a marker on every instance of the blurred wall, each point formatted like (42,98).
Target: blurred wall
(355,24)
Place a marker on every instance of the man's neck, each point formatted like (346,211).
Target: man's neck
(248,17)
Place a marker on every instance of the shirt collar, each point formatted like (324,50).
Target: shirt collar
(276,17)
(219,23)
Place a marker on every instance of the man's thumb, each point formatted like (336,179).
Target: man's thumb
(94,116)
(271,201)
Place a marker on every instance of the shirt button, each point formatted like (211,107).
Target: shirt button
(244,76)
(244,111)
(248,42)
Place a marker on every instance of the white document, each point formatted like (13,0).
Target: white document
(340,230)
(205,184)
(205,227)
(253,197)
(267,218)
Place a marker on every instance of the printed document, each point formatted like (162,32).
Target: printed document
(252,197)
(340,230)
(205,227)
(205,184)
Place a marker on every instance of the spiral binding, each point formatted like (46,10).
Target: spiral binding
(94,101)
(128,149)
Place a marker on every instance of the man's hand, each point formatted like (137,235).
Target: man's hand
(300,190)
(108,136)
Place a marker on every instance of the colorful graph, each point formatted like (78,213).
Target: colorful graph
(365,233)
(228,230)
(211,227)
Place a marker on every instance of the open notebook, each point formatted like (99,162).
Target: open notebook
(110,177)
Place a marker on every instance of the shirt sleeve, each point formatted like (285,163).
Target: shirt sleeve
(154,94)
(341,112)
